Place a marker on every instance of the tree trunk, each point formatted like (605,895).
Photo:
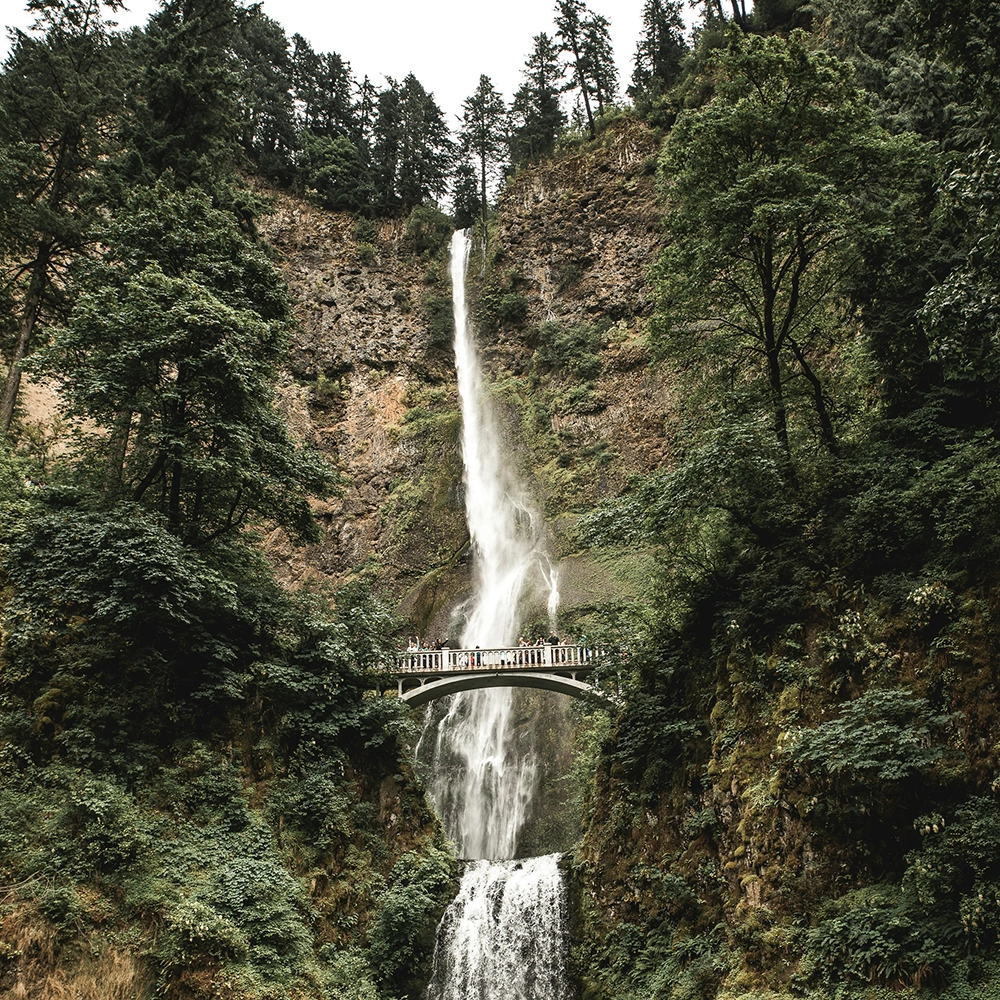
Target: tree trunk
(819,401)
(25,332)
(117,447)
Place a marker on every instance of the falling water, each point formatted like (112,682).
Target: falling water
(498,947)
(503,937)
(485,770)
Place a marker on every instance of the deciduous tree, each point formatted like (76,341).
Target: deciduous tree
(774,189)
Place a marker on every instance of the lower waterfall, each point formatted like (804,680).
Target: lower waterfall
(504,936)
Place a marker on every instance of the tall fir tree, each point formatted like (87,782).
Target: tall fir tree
(60,93)
(485,136)
(585,38)
(267,132)
(571,17)
(659,52)
(536,113)
(185,110)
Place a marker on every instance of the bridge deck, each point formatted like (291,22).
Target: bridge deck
(430,673)
(555,657)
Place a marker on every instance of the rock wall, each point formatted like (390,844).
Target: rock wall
(372,373)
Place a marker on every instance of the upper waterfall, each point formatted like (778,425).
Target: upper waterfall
(509,553)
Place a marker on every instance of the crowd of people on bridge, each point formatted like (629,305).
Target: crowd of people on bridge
(526,653)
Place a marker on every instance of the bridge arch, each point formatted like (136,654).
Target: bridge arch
(438,687)
(425,674)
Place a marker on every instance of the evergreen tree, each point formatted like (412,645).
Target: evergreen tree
(659,52)
(586,40)
(571,16)
(385,148)
(536,111)
(323,90)
(465,196)
(484,135)
(427,149)
(265,75)
(412,152)
(59,93)
(601,61)
(185,115)
(171,350)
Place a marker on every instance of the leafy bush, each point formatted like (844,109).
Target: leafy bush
(332,167)
(402,939)
(440,318)
(428,230)
(574,349)
(885,736)
(876,934)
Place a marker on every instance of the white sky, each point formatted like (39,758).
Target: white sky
(446,44)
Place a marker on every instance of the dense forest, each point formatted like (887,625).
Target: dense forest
(203,791)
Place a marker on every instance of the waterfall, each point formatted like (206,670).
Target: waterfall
(503,937)
(504,931)
(484,772)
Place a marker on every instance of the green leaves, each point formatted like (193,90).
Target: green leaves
(774,187)
(884,735)
(172,349)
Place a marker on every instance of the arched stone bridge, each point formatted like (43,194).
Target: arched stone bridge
(425,674)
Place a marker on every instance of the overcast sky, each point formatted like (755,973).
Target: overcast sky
(446,44)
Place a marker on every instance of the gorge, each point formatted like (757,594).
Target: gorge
(730,418)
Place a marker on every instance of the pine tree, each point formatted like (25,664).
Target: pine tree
(268,127)
(465,196)
(570,31)
(323,90)
(412,152)
(601,60)
(537,114)
(586,40)
(485,135)
(185,114)
(660,50)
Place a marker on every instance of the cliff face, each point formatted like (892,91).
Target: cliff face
(562,301)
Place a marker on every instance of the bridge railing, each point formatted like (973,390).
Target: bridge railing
(553,657)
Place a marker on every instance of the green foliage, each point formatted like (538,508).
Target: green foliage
(402,938)
(428,230)
(112,596)
(332,167)
(884,736)
(440,318)
(875,934)
(172,349)
(536,113)
(573,350)
(945,909)
(766,220)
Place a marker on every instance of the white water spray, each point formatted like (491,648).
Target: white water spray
(503,938)
(504,934)
(484,769)
(509,552)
